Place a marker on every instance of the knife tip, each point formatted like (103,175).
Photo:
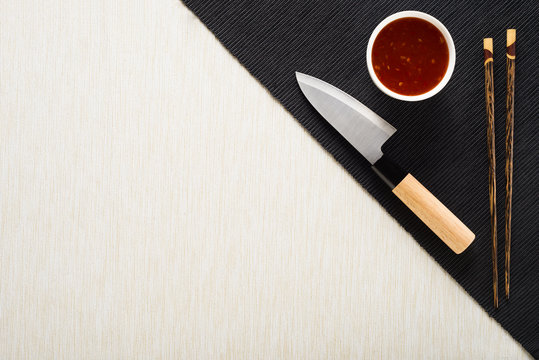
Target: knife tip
(299,75)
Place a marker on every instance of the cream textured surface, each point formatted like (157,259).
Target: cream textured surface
(157,202)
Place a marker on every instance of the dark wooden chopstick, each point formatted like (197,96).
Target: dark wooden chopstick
(509,126)
(488,50)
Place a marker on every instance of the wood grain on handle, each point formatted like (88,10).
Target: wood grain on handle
(488,50)
(509,128)
(434,214)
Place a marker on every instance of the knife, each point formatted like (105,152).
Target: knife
(367,132)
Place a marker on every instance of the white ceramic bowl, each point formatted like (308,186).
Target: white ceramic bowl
(448,40)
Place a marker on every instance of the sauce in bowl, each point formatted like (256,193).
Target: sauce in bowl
(410,56)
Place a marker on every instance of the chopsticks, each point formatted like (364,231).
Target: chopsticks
(509,127)
(488,49)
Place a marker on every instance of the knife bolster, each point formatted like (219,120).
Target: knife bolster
(388,171)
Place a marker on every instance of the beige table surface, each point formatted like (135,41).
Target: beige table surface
(157,202)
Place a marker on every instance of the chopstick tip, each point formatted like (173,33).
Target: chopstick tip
(488,45)
(511,36)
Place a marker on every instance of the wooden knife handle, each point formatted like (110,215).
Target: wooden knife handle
(434,214)
(426,206)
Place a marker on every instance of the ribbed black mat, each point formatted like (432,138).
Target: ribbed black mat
(442,141)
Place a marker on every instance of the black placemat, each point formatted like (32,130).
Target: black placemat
(442,141)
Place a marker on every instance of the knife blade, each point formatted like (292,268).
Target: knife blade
(367,132)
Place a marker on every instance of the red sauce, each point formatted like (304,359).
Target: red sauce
(410,56)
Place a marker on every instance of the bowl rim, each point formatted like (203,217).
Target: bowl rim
(450,66)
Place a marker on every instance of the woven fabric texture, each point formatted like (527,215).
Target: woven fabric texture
(442,140)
